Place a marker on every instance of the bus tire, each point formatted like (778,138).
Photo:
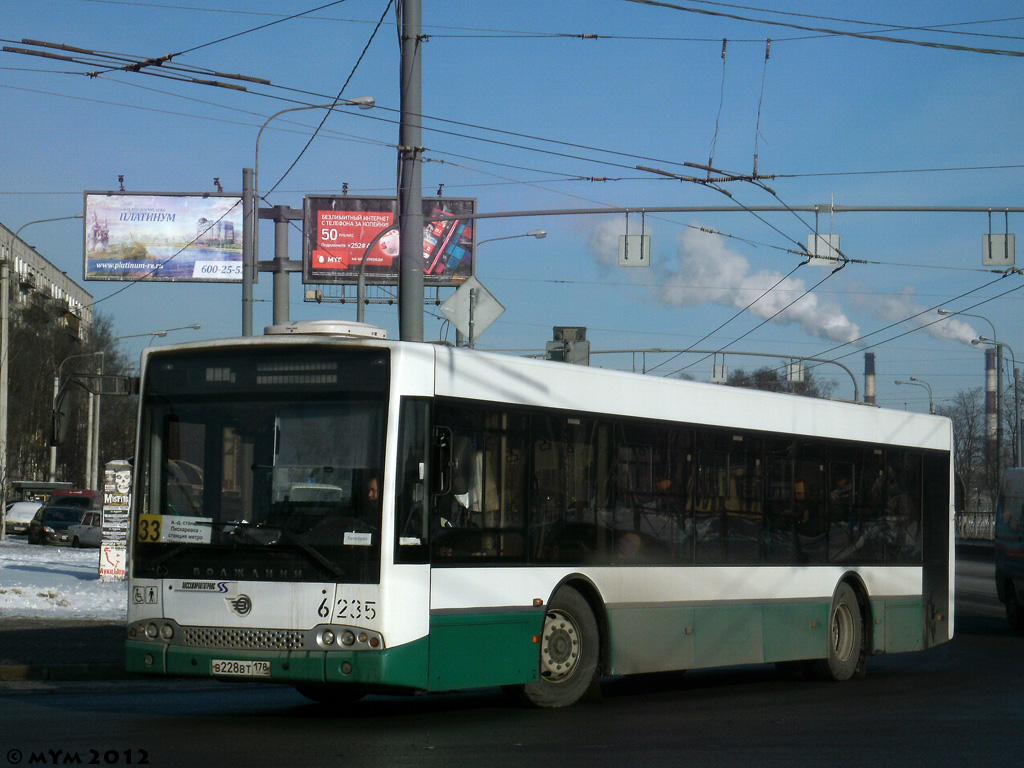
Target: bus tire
(331,695)
(569,652)
(845,638)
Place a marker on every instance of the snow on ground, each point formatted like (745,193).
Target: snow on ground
(56,583)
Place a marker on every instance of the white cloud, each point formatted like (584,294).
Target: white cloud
(904,307)
(707,270)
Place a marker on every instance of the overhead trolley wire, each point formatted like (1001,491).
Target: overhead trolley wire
(828,31)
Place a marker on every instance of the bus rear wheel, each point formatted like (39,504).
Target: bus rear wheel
(845,638)
(568,652)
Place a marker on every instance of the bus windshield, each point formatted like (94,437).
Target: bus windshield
(243,477)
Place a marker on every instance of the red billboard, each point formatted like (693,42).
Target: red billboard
(338,230)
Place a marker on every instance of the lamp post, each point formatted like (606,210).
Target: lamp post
(250,209)
(6,260)
(56,392)
(540,234)
(1016,392)
(93,434)
(919,383)
(161,334)
(999,385)
(363,102)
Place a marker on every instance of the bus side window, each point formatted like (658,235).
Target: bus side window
(477,508)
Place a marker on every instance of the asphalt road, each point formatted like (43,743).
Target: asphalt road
(953,705)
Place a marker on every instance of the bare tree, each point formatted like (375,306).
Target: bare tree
(42,343)
(772,379)
(969,445)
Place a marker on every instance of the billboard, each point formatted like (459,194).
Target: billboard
(337,231)
(168,237)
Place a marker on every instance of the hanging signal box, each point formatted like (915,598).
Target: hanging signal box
(634,250)
(997,250)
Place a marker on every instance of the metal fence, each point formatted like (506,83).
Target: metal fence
(976,525)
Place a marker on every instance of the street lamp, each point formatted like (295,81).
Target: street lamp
(919,383)
(540,234)
(1016,392)
(161,334)
(250,210)
(56,392)
(363,102)
(93,434)
(999,384)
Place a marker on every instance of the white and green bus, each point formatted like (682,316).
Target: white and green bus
(324,507)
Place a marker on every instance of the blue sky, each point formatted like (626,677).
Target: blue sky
(834,118)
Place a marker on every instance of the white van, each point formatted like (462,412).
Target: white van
(1009,546)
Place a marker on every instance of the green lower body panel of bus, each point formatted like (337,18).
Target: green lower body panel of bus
(469,650)
(404,666)
(899,625)
(653,639)
(662,638)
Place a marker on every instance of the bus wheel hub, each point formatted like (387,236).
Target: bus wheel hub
(561,649)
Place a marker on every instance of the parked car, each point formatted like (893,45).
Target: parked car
(19,515)
(88,532)
(51,522)
(76,497)
(1009,547)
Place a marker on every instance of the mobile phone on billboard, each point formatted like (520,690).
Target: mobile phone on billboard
(436,236)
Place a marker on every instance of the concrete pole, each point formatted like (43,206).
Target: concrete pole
(94,477)
(282,306)
(410,193)
(89,442)
(53,448)
(248,256)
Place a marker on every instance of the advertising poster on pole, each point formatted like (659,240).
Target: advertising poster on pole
(117,501)
(338,230)
(163,237)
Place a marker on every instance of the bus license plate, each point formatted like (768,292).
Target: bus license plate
(240,668)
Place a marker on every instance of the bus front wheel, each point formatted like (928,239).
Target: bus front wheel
(568,652)
(845,638)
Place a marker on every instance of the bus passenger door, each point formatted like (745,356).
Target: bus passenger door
(481,628)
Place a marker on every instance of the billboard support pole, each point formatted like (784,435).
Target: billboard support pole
(248,257)
(410,192)
(282,309)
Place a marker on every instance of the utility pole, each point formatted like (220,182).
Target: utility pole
(410,193)
(249,224)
